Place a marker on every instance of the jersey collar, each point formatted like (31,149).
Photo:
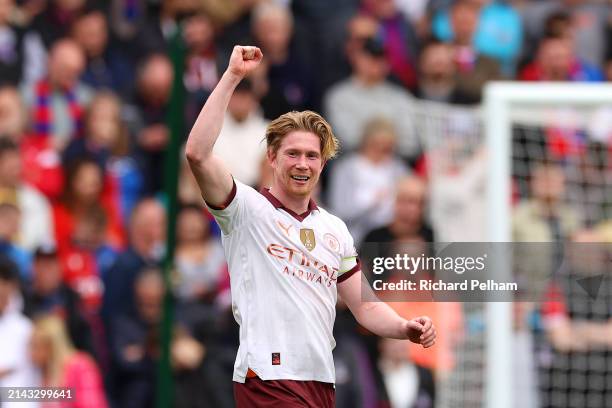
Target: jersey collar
(277,204)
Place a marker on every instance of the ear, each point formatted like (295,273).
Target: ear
(271,156)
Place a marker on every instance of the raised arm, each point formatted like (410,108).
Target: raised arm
(213,178)
(378,317)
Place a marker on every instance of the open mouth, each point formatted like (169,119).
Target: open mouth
(300,178)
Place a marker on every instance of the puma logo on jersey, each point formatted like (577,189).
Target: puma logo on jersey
(284,228)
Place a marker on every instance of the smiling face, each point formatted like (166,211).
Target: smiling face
(297,164)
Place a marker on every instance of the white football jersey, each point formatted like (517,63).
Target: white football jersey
(284,269)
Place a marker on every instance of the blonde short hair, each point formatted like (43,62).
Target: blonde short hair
(307,121)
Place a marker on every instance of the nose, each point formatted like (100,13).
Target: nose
(301,163)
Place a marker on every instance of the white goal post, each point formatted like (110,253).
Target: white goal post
(499,100)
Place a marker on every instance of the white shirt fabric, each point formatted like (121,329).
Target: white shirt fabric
(349,106)
(241,148)
(458,202)
(36,219)
(15,332)
(402,384)
(370,190)
(284,274)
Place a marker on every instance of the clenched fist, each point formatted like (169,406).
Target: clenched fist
(244,60)
(420,330)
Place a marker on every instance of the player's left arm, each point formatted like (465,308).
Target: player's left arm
(378,317)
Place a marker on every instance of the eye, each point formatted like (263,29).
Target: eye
(312,156)
(291,153)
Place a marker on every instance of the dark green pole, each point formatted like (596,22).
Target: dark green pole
(172,161)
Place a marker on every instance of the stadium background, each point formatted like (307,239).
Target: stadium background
(98,97)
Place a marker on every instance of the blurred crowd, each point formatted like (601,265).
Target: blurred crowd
(85,91)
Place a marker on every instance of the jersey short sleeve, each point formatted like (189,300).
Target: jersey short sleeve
(239,208)
(350,263)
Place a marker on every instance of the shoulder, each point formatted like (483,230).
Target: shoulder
(382,234)
(32,196)
(340,89)
(524,211)
(347,162)
(334,222)
(82,368)
(20,326)
(249,195)
(395,91)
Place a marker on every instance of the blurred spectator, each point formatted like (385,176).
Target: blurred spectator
(10,219)
(544,217)
(37,222)
(499,32)
(438,74)
(224,14)
(320,27)
(577,301)
(87,257)
(399,39)
(83,192)
(457,185)
(136,348)
(147,232)
(587,22)
(126,19)
(408,222)
(408,384)
(22,53)
(16,369)
(358,382)
(555,61)
(163,25)
(200,260)
(106,66)
(62,366)
(366,179)
(108,142)
(474,68)
(201,71)
(38,154)
(135,341)
(358,29)
(13,118)
(57,103)
(288,74)
(350,104)
(595,183)
(48,294)
(154,87)
(56,19)
(243,128)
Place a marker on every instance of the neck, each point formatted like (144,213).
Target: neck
(277,56)
(374,157)
(365,81)
(404,231)
(297,204)
(141,247)
(548,208)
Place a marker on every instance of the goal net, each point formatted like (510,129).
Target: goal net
(533,164)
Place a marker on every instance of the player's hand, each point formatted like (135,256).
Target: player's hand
(244,60)
(421,330)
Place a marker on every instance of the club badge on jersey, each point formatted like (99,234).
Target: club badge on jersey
(307,237)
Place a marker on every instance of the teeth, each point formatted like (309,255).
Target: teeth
(301,178)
